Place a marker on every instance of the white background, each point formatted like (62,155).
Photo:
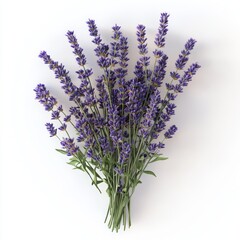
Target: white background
(197,192)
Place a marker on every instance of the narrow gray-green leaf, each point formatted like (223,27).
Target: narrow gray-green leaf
(61,151)
(158,159)
(73,162)
(150,173)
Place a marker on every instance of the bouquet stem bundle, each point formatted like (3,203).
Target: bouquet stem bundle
(121,123)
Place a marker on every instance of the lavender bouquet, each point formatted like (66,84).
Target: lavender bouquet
(118,122)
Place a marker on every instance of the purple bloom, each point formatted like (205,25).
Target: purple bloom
(142,45)
(91,154)
(165,117)
(61,74)
(123,52)
(171,96)
(63,127)
(159,126)
(43,95)
(60,108)
(102,50)
(78,51)
(170,132)
(150,115)
(158,53)
(154,147)
(162,30)
(105,145)
(114,125)
(67,118)
(141,38)
(170,109)
(136,95)
(103,95)
(187,77)
(183,57)
(116,32)
(125,152)
(55,115)
(75,111)
(169,86)
(104,62)
(92,28)
(175,75)
(69,145)
(178,88)
(159,71)
(51,129)
(119,172)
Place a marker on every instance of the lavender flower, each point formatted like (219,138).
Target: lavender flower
(92,28)
(60,108)
(78,51)
(67,118)
(149,117)
(170,132)
(141,37)
(125,152)
(121,125)
(114,125)
(69,145)
(154,147)
(55,115)
(61,74)
(187,77)
(159,71)
(63,127)
(183,57)
(51,129)
(43,95)
(162,30)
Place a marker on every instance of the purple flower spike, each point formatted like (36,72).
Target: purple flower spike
(162,30)
(170,132)
(141,38)
(62,74)
(43,95)
(63,127)
(187,77)
(51,129)
(69,145)
(150,115)
(78,51)
(116,32)
(92,28)
(159,71)
(183,57)
(55,115)
(125,152)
